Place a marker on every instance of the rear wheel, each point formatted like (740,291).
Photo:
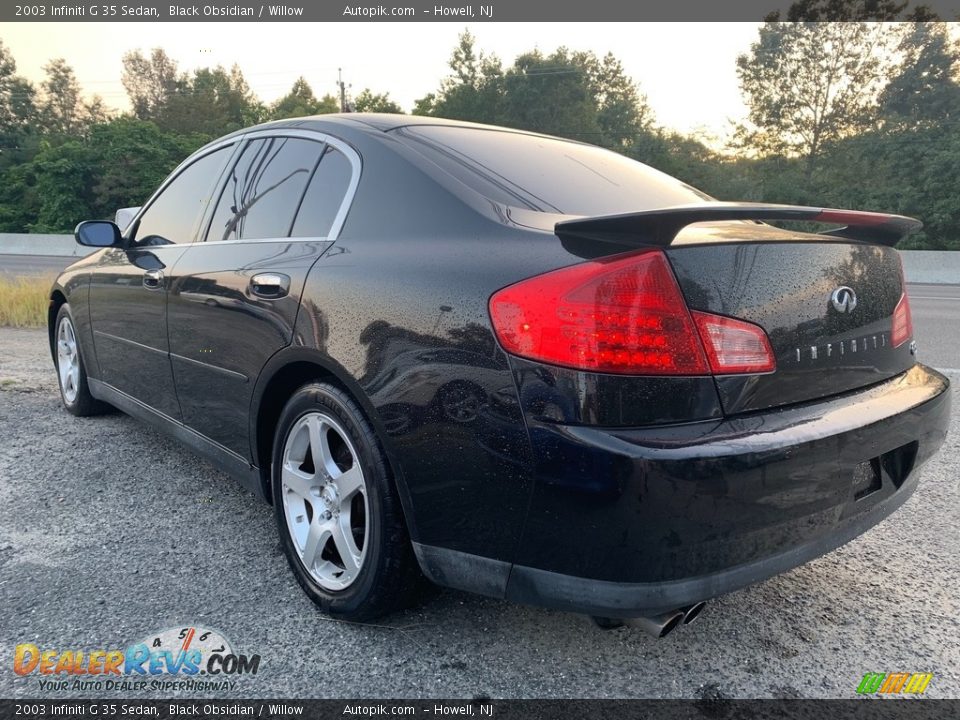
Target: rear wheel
(71,371)
(338,514)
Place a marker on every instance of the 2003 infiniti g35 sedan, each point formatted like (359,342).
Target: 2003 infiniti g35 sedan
(517,365)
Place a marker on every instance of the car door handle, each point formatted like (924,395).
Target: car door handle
(270,285)
(153,279)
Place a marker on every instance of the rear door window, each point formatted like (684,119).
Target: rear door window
(324,196)
(264,189)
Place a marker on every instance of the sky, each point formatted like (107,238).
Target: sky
(686,70)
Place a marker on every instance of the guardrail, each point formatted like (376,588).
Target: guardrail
(931,266)
(39,244)
(919,266)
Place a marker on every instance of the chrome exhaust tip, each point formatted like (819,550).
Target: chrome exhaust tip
(692,612)
(658,626)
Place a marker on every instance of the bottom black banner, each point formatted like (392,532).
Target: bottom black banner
(912,709)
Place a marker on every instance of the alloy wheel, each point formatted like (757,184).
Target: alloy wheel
(68,360)
(324,497)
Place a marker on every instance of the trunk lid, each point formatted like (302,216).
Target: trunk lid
(826,301)
(800,289)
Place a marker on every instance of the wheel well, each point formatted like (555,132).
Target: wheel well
(57,300)
(275,395)
(286,381)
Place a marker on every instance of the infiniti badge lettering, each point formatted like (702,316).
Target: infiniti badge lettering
(843,299)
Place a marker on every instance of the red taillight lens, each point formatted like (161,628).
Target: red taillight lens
(734,346)
(902,322)
(620,315)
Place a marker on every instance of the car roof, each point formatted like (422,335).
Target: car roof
(375,123)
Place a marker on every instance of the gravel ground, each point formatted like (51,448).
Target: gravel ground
(110,531)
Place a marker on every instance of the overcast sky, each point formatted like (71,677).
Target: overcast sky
(686,69)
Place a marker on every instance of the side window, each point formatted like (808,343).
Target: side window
(172,217)
(264,189)
(324,196)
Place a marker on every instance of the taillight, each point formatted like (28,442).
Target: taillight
(902,322)
(734,346)
(619,315)
(623,315)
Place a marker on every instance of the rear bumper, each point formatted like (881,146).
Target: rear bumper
(641,521)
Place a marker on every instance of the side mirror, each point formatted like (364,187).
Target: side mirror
(98,233)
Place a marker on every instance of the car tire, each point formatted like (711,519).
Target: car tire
(338,514)
(71,370)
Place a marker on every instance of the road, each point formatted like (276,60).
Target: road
(936,323)
(111,532)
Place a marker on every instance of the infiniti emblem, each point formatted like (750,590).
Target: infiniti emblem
(843,299)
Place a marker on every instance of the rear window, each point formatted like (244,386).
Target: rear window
(546,174)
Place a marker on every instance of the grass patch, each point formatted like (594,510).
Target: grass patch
(24,301)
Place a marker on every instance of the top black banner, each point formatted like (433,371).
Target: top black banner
(482,11)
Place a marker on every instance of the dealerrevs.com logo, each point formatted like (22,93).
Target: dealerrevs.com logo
(185,658)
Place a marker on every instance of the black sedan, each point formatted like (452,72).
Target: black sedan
(516,365)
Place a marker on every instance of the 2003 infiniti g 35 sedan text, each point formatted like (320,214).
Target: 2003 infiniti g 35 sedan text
(517,365)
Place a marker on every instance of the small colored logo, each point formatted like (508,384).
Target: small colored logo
(894,683)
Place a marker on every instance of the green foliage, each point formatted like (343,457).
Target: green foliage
(211,101)
(572,94)
(474,89)
(301,101)
(117,164)
(924,93)
(810,84)
(367,101)
(62,111)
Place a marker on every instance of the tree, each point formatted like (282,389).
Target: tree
(150,82)
(572,94)
(18,111)
(213,102)
(551,94)
(118,164)
(367,101)
(924,92)
(65,174)
(474,88)
(622,110)
(301,101)
(61,108)
(427,105)
(132,159)
(810,84)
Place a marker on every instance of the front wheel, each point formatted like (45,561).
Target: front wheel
(337,510)
(71,371)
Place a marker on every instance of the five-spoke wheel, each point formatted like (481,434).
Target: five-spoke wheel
(68,359)
(337,508)
(71,372)
(325,500)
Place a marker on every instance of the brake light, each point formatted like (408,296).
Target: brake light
(626,315)
(902,322)
(734,346)
(623,314)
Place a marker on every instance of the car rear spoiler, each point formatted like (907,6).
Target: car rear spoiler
(661,227)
